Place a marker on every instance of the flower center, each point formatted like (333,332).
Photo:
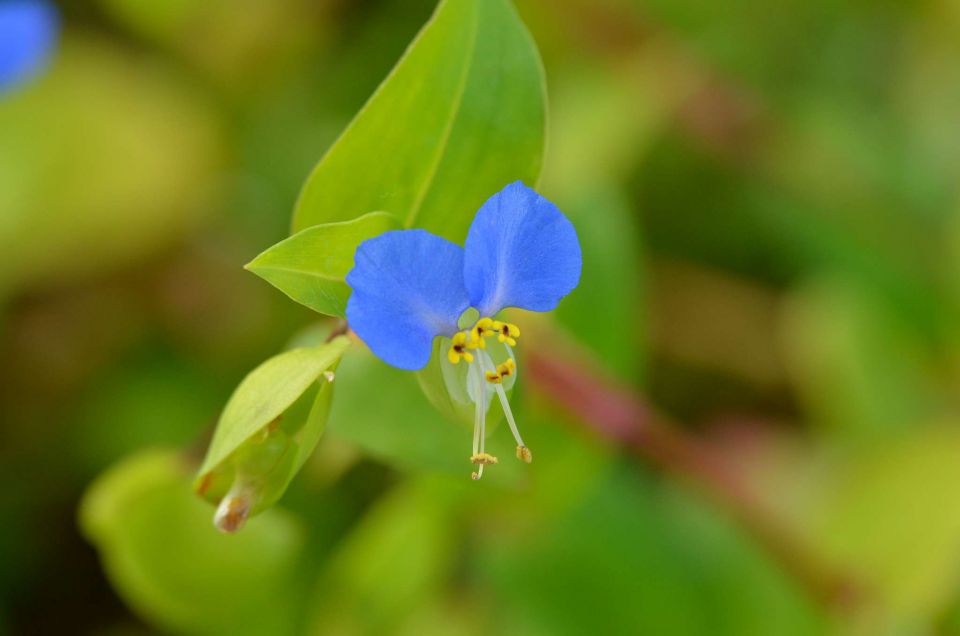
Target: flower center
(487,375)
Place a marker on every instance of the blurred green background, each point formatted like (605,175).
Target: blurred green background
(767,199)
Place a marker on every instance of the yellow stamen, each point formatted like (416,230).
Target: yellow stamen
(474,340)
(481,330)
(524,454)
(503,371)
(506,332)
(483,459)
(458,349)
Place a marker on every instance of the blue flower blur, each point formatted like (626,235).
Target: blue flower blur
(411,287)
(28,34)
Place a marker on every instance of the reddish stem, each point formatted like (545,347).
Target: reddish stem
(573,381)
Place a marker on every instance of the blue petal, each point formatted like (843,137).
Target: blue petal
(28,32)
(521,251)
(407,289)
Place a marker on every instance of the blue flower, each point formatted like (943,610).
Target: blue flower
(28,33)
(411,287)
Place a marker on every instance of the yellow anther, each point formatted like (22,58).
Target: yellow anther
(507,368)
(524,454)
(479,331)
(458,349)
(506,332)
(483,459)
(503,371)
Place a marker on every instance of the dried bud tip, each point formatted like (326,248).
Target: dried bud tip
(204,485)
(524,454)
(231,514)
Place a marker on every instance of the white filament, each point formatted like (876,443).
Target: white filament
(480,416)
(478,412)
(485,361)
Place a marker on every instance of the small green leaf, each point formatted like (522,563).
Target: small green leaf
(461,115)
(310,266)
(266,393)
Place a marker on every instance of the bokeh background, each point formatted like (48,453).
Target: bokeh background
(767,198)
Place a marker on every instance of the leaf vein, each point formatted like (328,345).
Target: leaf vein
(448,128)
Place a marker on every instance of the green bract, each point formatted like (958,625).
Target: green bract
(270,426)
(310,266)
(460,116)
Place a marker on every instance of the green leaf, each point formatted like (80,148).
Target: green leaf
(661,563)
(166,560)
(410,532)
(310,266)
(460,116)
(266,393)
